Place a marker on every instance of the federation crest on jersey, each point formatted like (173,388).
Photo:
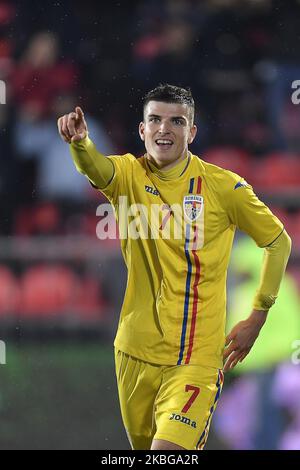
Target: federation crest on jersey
(193,206)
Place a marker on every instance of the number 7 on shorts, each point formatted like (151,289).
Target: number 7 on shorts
(196,391)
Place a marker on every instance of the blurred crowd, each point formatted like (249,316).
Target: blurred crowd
(239,57)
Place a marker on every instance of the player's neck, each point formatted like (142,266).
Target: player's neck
(168,172)
(165,166)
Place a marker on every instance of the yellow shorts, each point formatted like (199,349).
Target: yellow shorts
(173,403)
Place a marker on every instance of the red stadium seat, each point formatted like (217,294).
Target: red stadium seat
(294,230)
(294,271)
(48,290)
(41,219)
(88,224)
(230,158)
(285,217)
(9,291)
(90,303)
(277,172)
(23,221)
(46,218)
(291,222)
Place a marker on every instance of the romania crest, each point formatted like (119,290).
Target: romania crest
(193,206)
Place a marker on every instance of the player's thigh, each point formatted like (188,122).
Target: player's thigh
(138,384)
(186,401)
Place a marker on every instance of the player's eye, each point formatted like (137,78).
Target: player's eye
(178,121)
(154,119)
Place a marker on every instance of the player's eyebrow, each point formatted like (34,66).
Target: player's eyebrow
(179,117)
(172,117)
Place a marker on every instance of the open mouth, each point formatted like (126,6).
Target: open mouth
(164,143)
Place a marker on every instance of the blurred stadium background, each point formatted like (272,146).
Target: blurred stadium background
(61,288)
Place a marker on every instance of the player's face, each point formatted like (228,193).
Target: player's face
(167,131)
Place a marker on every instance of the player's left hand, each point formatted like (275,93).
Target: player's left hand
(242,337)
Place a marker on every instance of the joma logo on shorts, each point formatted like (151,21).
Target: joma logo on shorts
(183,420)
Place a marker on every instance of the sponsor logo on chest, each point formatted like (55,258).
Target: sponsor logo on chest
(151,190)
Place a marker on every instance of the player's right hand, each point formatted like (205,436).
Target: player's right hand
(72,127)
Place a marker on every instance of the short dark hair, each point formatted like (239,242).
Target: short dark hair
(171,94)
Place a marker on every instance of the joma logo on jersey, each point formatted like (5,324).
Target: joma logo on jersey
(152,190)
(183,419)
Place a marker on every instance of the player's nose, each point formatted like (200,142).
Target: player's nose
(164,127)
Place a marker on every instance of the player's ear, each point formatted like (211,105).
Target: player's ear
(192,133)
(142,130)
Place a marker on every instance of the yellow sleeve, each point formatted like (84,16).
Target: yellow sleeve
(249,214)
(108,174)
(91,163)
(274,263)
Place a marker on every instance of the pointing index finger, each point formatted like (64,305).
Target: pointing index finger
(71,124)
(79,112)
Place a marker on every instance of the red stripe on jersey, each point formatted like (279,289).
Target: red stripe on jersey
(166,218)
(195,299)
(199,185)
(221,377)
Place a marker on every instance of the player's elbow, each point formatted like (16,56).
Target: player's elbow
(287,242)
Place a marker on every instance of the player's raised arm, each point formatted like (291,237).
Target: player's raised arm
(73,130)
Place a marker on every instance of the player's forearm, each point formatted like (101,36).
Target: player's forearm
(274,264)
(88,161)
(258,317)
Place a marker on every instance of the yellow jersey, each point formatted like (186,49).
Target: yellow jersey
(175,302)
